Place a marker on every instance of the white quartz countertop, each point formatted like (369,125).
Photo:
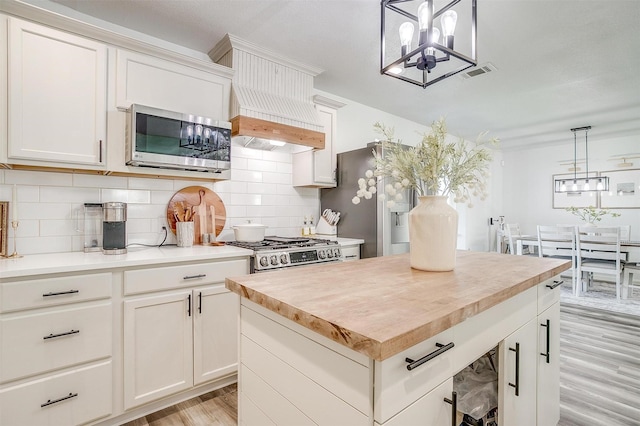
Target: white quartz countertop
(51,263)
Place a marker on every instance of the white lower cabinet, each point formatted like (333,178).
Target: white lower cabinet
(350,253)
(56,339)
(548,368)
(177,340)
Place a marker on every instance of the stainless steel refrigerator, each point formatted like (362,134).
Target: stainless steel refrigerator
(384,230)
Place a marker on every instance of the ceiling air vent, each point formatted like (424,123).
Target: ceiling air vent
(479,70)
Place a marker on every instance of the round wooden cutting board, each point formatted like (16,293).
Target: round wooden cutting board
(200,205)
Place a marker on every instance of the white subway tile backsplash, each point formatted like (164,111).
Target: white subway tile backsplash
(262,166)
(259,190)
(99,181)
(52,228)
(56,194)
(246,175)
(151,184)
(35,245)
(23,177)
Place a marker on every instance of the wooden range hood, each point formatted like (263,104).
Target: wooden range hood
(263,129)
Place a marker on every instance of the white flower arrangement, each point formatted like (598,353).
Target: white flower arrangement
(433,167)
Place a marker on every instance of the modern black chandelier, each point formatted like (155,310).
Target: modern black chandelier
(434,58)
(586,183)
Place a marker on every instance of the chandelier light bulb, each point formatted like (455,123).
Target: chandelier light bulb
(449,20)
(435,35)
(406,34)
(424,15)
(563,187)
(599,185)
(574,187)
(586,185)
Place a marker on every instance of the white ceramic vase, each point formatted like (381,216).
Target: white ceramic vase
(433,234)
(184,234)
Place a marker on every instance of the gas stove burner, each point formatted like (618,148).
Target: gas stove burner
(282,252)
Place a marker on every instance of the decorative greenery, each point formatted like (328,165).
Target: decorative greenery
(434,166)
(590,214)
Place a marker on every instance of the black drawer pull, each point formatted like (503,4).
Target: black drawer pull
(50,402)
(555,284)
(351,256)
(441,349)
(517,384)
(194,277)
(548,327)
(454,406)
(60,293)
(53,336)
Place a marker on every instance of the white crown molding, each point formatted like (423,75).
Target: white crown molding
(230,41)
(328,102)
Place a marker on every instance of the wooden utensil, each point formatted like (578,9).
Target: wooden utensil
(196,203)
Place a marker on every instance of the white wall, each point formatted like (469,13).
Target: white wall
(528,190)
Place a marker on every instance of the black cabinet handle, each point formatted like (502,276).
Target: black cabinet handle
(546,325)
(351,256)
(50,402)
(517,384)
(53,336)
(200,302)
(454,406)
(60,293)
(100,148)
(194,277)
(441,349)
(189,305)
(555,284)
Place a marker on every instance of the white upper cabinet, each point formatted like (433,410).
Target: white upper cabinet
(57,97)
(317,168)
(158,83)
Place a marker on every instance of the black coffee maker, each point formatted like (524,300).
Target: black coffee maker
(114,228)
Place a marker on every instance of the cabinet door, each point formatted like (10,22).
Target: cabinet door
(154,82)
(549,366)
(158,347)
(324,161)
(215,331)
(431,409)
(517,376)
(57,96)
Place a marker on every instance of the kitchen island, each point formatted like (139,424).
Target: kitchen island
(376,342)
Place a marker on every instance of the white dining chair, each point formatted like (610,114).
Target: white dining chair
(598,251)
(559,242)
(627,284)
(513,232)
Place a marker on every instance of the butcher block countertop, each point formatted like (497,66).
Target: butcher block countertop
(380,306)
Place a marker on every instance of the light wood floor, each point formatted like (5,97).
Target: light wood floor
(599,377)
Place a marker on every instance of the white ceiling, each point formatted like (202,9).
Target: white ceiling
(560,63)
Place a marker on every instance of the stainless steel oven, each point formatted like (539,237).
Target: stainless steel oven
(275,253)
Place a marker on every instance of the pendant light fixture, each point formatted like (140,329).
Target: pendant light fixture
(425,65)
(587,183)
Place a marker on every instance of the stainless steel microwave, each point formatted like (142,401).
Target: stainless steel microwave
(173,140)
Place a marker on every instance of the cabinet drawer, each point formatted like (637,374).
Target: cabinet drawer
(549,292)
(351,253)
(479,333)
(69,398)
(54,291)
(396,387)
(157,279)
(36,343)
